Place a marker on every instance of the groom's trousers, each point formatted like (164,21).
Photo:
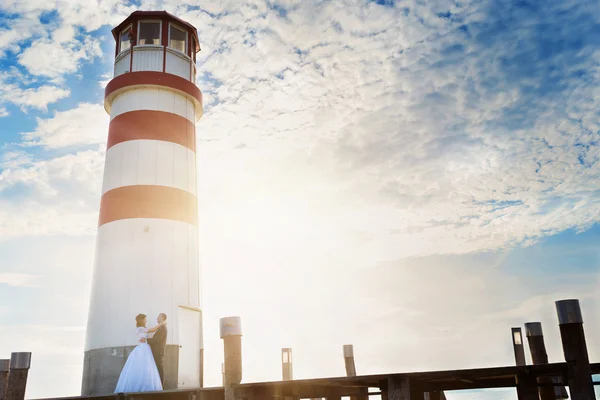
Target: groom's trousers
(158,359)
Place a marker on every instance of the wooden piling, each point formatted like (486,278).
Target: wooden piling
(560,393)
(537,347)
(435,395)
(349,360)
(17,376)
(287,372)
(4,368)
(519,350)
(416,391)
(397,388)
(348,350)
(231,333)
(579,374)
(527,388)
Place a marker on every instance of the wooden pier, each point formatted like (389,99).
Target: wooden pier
(541,381)
(419,385)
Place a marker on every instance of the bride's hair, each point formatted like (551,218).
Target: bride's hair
(139,320)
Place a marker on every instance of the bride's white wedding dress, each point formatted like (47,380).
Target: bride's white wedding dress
(139,373)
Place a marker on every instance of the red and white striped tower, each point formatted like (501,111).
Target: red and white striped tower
(147,245)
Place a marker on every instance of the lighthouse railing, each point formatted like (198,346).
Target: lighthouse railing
(151,58)
(122,63)
(177,63)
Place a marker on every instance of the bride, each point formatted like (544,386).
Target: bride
(140,373)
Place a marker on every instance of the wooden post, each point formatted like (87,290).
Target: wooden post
(349,360)
(560,393)
(231,333)
(398,388)
(4,368)
(517,339)
(579,373)
(287,372)
(416,392)
(17,376)
(527,388)
(351,370)
(537,347)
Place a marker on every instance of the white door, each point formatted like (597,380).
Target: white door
(189,347)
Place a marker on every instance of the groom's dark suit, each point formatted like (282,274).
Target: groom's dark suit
(158,344)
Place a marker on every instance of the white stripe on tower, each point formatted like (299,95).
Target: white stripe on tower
(150,162)
(154,99)
(147,244)
(155,262)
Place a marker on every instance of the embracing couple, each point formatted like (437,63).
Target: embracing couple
(143,370)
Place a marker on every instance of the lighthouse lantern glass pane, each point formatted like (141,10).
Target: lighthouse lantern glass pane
(124,42)
(149,33)
(177,39)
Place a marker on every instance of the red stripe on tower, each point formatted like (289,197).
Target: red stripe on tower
(148,201)
(152,125)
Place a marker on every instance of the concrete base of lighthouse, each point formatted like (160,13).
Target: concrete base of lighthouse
(102,367)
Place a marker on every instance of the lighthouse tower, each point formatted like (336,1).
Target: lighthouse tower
(147,244)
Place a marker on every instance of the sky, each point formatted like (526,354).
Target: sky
(412,177)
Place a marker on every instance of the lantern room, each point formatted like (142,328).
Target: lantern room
(156,41)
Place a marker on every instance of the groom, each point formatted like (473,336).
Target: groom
(158,343)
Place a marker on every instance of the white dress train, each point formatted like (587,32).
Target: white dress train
(139,373)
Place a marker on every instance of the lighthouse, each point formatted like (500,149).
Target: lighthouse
(146,258)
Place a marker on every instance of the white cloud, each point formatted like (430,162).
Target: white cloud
(384,111)
(58,58)
(52,197)
(105,79)
(87,124)
(14,91)
(21,28)
(19,280)
(407,118)
(38,98)
(15,159)
(90,15)
(57,46)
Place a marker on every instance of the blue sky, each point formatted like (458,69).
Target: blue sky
(439,160)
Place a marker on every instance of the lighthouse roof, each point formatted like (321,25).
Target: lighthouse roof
(162,15)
